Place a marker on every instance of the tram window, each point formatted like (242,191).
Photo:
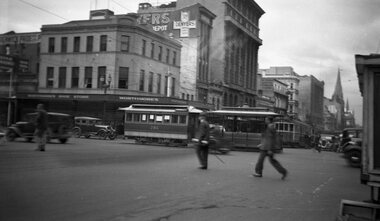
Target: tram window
(167,119)
(136,117)
(291,127)
(286,127)
(143,118)
(175,119)
(281,126)
(159,118)
(182,119)
(129,117)
(151,118)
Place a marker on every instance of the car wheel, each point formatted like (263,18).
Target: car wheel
(102,135)
(354,158)
(112,136)
(10,135)
(63,140)
(76,132)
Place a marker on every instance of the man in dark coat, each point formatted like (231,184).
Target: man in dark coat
(41,127)
(269,141)
(203,141)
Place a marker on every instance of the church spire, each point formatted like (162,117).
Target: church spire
(338,92)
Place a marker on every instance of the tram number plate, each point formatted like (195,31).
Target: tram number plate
(154,128)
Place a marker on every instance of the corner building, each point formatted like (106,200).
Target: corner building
(94,66)
(234,48)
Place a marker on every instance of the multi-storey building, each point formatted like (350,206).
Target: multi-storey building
(191,26)
(291,78)
(276,90)
(311,101)
(19,65)
(94,66)
(234,48)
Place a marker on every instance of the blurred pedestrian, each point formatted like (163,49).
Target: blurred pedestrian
(41,127)
(203,141)
(318,146)
(268,143)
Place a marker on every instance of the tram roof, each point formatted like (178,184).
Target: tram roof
(160,108)
(244,113)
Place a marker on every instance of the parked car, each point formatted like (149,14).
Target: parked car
(91,126)
(351,145)
(59,127)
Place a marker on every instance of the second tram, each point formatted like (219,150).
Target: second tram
(242,126)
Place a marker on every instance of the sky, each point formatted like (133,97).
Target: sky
(315,37)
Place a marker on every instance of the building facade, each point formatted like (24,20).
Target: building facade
(276,90)
(19,66)
(311,100)
(288,76)
(191,26)
(234,48)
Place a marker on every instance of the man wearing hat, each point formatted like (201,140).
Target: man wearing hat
(203,141)
(41,127)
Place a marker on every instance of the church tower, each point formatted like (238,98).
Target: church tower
(338,100)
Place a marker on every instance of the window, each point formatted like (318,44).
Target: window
(182,119)
(159,118)
(183,96)
(88,77)
(76,44)
(175,119)
(103,43)
(158,83)
(136,117)
(125,43)
(51,45)
(128,117)
(62,77)
(64,44)
(166,85)
(152,50)
(123,77)
(90,43)
(49,77)
(143,48)
(174,57)
(74,77)
(167,55)
(150,82)
(101,76)
(173,87)
(159,53)
(166,119)
(143,118)
(142,80)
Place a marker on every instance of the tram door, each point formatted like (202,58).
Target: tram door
(192,125)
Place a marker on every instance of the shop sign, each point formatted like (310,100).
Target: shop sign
(159,21)
(185,24)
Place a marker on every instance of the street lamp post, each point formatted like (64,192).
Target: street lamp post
(10,96)
(106,85)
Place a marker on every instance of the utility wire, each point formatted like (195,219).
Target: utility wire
(47,11)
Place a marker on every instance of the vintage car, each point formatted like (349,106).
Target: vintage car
(91,126)
(59,127)
(351,145)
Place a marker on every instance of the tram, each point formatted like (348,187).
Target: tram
(294,133)
(242,126)
(162,124)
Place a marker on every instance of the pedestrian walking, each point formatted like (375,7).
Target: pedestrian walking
(268,143)
(316,142)
(203,141)
(41,127)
